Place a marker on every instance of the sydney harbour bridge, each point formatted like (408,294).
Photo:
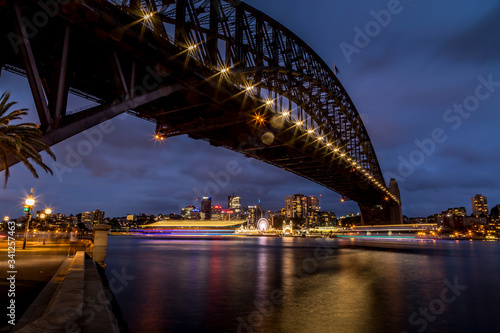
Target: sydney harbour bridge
(216,70)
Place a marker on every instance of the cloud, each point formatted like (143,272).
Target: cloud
(476,43)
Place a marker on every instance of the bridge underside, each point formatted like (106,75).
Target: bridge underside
(89,53)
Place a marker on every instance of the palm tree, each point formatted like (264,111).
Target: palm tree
(23,141)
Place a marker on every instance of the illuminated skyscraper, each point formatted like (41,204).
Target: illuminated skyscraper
(479,205)
(254,214)
(206,208)
(296,206)
(234,203)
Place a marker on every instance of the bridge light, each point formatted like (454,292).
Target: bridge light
(336,150)
(310,131)
(328,144)
(192,47)
(286,113)
(224,70)
(269,102)
(320,138)
(342,155)
(148,16)
(299,123)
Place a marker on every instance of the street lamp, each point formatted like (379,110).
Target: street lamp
(6,219)
(48,211)
(29,203)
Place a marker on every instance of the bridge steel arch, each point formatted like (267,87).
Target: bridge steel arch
(224,68)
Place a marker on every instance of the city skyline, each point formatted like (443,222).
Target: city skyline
(402,101)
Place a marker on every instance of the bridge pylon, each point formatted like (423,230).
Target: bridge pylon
(389,212)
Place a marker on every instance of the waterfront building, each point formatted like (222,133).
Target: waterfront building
(254,214)
(327,219)
(302,208)
(296,206)
(313,208)
(190,213)
(234,204)
(495,213)
(460,211)
(479,205)
(131,217)
(98,216)
(88,219)
(217,212)
(206,208)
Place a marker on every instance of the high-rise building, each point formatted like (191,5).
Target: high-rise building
(254,214)
(312,210)
(304,208)
(479,205)
(88,219)
(206,208)
(234,204)
(98,216)
(296,206)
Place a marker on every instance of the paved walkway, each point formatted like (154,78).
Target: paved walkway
(35,266)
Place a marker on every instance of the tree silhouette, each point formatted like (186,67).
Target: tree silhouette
(24,141)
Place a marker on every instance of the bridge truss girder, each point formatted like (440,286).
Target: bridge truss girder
(186,43)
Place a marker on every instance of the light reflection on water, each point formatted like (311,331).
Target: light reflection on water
(220,285)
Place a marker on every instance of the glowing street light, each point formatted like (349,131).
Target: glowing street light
(48,211)
(6,219)
(29,203)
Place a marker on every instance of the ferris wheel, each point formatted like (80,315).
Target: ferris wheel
(263,225)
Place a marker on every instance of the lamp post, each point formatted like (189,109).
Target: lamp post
(27,208)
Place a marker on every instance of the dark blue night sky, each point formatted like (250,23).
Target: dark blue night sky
(427,84)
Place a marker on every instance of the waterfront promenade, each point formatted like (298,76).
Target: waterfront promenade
(35,267)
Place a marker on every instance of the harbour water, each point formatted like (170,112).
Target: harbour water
(263,284)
